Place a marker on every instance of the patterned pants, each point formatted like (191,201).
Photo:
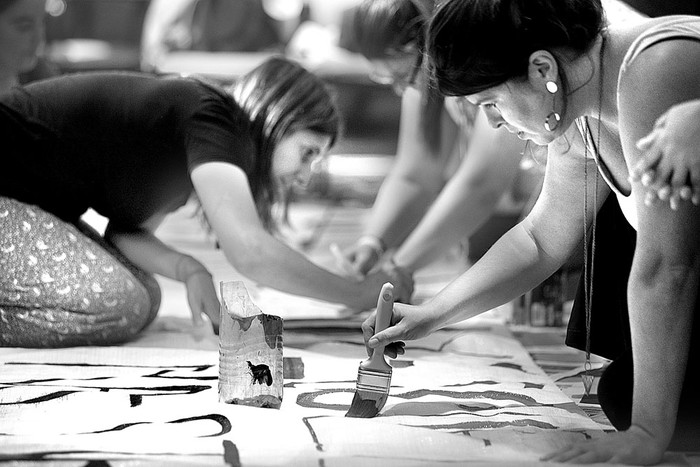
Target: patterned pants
(63,285)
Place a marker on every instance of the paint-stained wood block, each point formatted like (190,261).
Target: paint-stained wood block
(250,351)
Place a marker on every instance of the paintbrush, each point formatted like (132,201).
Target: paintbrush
(374,375)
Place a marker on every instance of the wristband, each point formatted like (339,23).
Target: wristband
(375,243)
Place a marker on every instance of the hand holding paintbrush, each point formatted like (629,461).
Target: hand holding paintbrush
(374,375)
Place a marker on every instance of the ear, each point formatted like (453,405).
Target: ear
(542,67)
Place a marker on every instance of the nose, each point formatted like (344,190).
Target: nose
(306,172)
(495,121)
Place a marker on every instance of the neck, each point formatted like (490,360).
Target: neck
(590,75)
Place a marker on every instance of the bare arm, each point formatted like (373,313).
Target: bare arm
(518,261)
(415,179)
(663,282)
(486,172)
(147,252)
(225,195)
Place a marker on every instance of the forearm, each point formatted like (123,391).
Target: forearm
(458,212)
(661,307)
(272,263)
(511,267)
(147,252)
(399,207)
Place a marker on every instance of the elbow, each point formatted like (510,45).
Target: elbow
(248,256)
(671,275)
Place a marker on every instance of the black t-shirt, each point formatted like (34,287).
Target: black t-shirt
(121,143)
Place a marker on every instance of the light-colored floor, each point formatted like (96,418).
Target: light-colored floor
(317,224)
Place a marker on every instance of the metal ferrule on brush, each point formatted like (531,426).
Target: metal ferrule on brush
(374,375)
(370,380)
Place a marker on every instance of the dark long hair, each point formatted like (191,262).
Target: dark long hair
(5,4)
(478,44)
(383,26)
(280,97)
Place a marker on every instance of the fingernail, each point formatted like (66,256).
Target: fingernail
(373,342)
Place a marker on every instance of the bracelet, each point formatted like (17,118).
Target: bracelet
(373,242)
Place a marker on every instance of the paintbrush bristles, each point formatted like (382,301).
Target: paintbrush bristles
(374,375)
(366,404)
(371,394)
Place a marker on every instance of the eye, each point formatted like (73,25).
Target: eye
(489,105)
(308,155)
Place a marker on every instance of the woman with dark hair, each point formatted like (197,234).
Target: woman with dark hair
(21,39)
(451,168)
(556,73)
(134,147)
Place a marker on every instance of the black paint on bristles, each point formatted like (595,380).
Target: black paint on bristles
(374,375)
(371,394)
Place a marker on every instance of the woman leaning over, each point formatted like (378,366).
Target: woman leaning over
(554,72)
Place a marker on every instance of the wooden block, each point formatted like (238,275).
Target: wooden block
(251,363)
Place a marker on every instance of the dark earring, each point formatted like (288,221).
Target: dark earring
(552,121)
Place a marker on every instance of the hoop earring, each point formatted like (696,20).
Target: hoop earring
(553,116)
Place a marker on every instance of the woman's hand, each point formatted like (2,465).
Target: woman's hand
(633,446)
(408,322)
(401,279)
(201,294)
(670,163)
(365,253)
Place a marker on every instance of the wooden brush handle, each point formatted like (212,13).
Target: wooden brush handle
(382,320)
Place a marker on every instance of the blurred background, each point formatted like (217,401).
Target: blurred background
(223,39)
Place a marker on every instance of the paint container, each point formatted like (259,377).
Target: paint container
(251,362)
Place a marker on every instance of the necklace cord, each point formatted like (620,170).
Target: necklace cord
(588,263)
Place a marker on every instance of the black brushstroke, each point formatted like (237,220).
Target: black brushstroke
(510,366)
(312,432)
(231,456)
(111,365)
(308,399)
(498,395)
(40,399)
(97,463)
(161,374)
(462,385)
(223,422)
(135,400)
(294,384)
(402,363)
(466,427)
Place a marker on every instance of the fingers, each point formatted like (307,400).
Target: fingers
(649,160)
(695,184)
(386,337)
(365,259)
(368,331)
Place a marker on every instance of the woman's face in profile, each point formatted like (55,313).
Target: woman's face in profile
(518,107)
(21,35)
(296,155)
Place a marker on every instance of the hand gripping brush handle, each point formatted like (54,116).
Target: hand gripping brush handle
(374,375)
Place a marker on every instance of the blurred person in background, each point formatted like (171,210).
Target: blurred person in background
(451,168)
(217,26)
(22,36)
